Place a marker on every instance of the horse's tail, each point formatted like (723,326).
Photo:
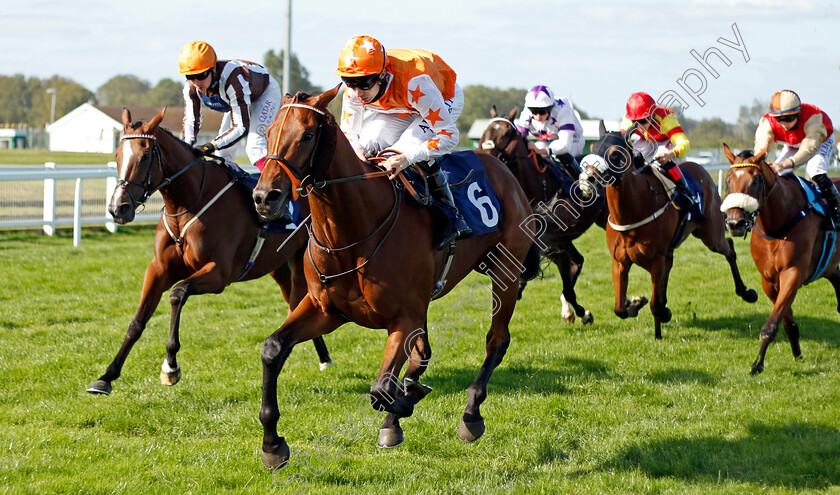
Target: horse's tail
(532,264)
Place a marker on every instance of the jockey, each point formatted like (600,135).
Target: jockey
(806,136)
(413,101)
(551,127)
(660,138)
(247,94)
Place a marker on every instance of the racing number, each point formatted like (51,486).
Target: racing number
(489,215)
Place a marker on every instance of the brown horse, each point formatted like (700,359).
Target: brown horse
(643,226)
(205,237)
(789,250)
(371,261)
(570,216)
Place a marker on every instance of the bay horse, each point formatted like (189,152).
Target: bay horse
(371,261)
(204,239)
(643,225)
(545,191)
(791,245)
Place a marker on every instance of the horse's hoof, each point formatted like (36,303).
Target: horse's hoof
(390,437)
(750,296)
(326,365)
(278,459)
(470,431)
(100,387)
(587,318)
(756,369)
(170,378)
(568,318)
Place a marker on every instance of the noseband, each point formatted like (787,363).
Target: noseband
(292,170)
(750,216)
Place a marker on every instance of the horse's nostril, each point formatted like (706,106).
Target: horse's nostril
(272,197)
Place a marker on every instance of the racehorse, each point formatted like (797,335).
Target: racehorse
(644,228)
(792,246)
(205,237)
(371,261)
(552,201)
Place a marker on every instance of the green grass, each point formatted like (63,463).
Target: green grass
(572,409)
(39,157)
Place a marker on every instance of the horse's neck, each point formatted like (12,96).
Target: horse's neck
(183,192)
(630,198)
(784,201)
(348,211)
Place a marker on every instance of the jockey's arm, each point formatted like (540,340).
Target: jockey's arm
(429,103)
(763,136)
(815,134)
(192,114)
(670,126)
(352,113)
(240,116)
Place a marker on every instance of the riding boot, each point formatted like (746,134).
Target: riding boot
(569,164)
(829,192)
(682,197)
(439,186)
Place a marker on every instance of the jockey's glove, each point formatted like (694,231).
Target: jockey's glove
(206,149)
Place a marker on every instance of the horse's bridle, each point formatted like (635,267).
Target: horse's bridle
(750,216)
(146,185)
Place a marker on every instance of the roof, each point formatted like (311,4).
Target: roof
(172,119)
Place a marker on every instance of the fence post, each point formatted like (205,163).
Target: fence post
(110,186)
(77,214)
(720,183)
(49,202)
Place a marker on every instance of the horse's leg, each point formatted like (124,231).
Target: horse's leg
(208,279)
(391,434)
(659,272)
(387,393)
(157,279)
(472,427)
(306,322)
(782,293)
(574,264)
(717,242)
(792,331)
(833,276)
(620,272)
(292,283)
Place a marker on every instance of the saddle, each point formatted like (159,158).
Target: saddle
(815,200)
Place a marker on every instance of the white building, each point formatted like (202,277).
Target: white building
(98,129)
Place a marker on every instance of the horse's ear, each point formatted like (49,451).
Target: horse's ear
(512,114)
(761,154)
(324,99)
(728,152)
(155,122)
(493,112)
(126,118)
(602,129)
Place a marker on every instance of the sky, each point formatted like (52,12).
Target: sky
(594,52)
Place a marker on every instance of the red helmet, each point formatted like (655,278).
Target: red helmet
(640,106)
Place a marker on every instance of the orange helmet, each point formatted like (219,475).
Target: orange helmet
(640,106)
(196,57)
(784,102)
(361,56)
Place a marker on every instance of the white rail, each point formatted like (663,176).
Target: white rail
(25,211)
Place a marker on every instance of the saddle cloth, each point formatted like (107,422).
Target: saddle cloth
(694,187)
(812,195)
(474,196)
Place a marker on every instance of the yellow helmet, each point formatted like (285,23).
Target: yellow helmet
(196,57)
(361,56)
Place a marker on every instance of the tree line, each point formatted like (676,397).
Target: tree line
(24,100)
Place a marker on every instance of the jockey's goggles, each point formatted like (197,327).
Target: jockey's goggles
(363,83)
(540,111)
(198,77)
(787,118)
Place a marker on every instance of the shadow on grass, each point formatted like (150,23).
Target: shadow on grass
(748,325)
(795,455)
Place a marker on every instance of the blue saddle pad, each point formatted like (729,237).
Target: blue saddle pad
(476,200)
(695,189)
(813,195)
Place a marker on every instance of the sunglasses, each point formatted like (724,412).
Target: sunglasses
(198,77)
(787,118)
(643,121)
(363,83)
(539,111)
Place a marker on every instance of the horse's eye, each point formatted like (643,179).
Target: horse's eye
(308,135)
